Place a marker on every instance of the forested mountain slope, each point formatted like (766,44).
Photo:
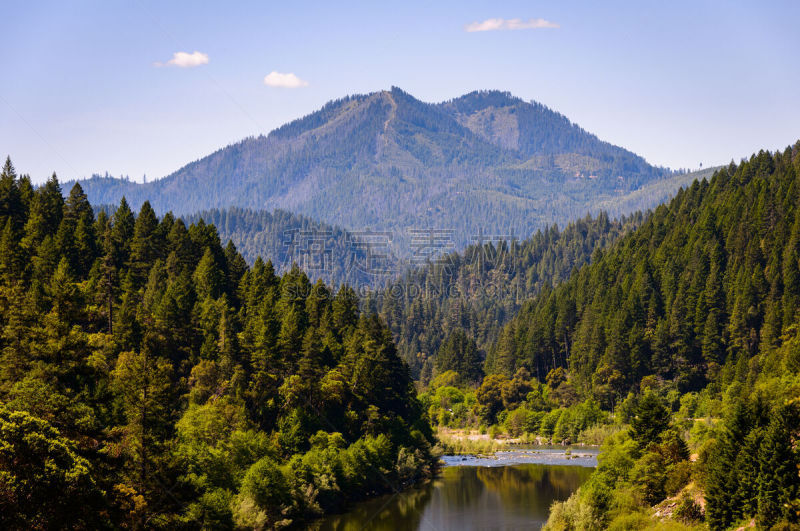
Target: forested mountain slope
(693,320)
(704,288)
(322,251)
(485,161)
(149,378)
(477,291)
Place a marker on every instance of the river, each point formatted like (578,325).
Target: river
(511,490)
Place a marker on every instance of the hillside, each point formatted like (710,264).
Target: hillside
(707,282)
(355,257)
(654,193)
(478,290)
(149,378)
(485,161)
(322,251)
(688,328)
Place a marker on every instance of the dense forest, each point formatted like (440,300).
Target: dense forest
(387,161)
(707,283)
(359,259)
(149,378)
(477,291)
(687,330)
(166,382)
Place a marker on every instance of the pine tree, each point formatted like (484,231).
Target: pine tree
(652,418)
(142,384)
(779,483)
(122,234)
(345,309)
(11,206)
(208,278)
(11,255)
(236,267)
(460,353)
(146,244)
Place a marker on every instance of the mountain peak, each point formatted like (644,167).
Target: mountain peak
(485,161)
(481,99)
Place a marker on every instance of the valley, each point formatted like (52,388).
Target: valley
(327,302)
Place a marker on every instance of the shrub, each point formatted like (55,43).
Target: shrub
(548,423)
(572,514)
(688,511)
(516,422)
(678,476)
(630,522)
(650,476)
(264,497)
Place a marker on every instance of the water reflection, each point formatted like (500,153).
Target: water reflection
(507,497)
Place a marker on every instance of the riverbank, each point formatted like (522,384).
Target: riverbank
(471,448)
(473,442)
(559,456)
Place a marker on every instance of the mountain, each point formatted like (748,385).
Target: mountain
(478,291)
(654,193)
(706,290)
(356,257)
(322,251)
(687,328)
(485,161)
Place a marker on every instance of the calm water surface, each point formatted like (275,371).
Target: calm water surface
(510,491)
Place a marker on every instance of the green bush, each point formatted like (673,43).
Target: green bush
(548,423)
(678,476)
(688,511)
(630,522)
(649,474)
(264,498)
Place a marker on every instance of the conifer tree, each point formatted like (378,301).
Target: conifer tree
(778,481)
(208,278)
(460,353)
(146,244)
(651,419)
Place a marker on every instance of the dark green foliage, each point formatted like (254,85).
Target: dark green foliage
(479,290)
(152,379)
(700,288)
(284,238)
(754,469)
(44,482)
(703,296)
(459,353)
(779,462)
(650,420)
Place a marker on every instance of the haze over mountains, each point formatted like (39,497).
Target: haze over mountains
(485,161)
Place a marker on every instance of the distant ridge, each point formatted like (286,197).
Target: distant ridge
(484,161)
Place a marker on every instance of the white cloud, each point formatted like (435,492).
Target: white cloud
(276,79)
(186,60)
(495,24)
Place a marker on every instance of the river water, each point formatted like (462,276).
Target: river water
(509,491)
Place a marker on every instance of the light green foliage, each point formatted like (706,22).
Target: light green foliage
(44,483)
(264,495)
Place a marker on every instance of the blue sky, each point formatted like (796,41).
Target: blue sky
(678,82)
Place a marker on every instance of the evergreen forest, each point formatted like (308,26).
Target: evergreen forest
(150,378)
